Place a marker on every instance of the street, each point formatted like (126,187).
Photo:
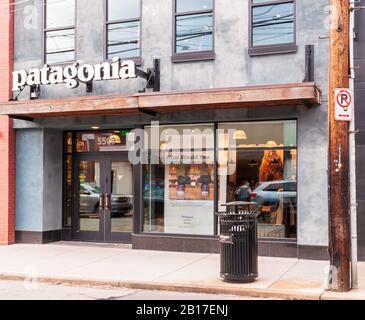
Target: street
(20,290)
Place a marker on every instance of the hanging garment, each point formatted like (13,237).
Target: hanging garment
(271,168)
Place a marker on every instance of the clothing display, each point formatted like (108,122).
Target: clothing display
(271,168)
(189,199)
(205,181)
(191,182)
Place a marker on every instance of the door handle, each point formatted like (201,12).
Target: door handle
(101,196)
(107,201)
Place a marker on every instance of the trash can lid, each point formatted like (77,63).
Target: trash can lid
(239,214)
(238,203)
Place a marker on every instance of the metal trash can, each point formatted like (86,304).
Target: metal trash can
(238,243)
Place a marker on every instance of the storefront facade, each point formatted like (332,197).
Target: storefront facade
(238,116)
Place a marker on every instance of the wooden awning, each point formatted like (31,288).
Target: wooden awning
(242,97)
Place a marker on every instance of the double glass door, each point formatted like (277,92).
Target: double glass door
(103,198)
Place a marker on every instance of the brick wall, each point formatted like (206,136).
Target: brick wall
(7,134)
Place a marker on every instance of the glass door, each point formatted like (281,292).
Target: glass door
(87,220)
(103,198)
(119,210)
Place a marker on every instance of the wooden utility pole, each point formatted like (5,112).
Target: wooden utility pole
(338,171)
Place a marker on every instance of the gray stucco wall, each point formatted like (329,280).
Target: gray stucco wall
(39,180)
(29,180)
(232,67)
(52,180)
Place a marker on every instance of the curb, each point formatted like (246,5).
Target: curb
(176,287)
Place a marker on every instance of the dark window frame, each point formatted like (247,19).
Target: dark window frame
(44,37)
(66,154)
(137,60)
(192,56)
(275,48)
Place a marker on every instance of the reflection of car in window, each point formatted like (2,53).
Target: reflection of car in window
(268,193)
(89,201)
(154,192)
(88,189)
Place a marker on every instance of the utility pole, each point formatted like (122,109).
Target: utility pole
(338,169)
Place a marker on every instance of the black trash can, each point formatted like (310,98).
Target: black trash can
(238,243)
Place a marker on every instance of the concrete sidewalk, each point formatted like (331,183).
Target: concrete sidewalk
(119,266)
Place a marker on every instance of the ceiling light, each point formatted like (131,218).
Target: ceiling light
(253,163)
(95,128)
(240,135)
(271,144)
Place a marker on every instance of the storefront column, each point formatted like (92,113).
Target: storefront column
(7,181)
(7,134)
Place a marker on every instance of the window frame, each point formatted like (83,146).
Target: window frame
(44,38)
(274,48)
(191,56)
(137,60)
(66,154)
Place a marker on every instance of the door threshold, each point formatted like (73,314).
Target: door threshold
(93,244)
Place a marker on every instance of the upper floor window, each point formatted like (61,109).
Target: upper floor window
(123,28)
(272,27)
(59,32)
(193,30)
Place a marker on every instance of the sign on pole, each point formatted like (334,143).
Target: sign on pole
(344,100)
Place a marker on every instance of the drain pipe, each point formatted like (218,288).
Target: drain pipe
(352,151)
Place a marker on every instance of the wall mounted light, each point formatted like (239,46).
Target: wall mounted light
(89,87)
(35,92)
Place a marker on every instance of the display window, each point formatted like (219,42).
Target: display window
(248,161)
(191,171)
(258,163)
(179,189)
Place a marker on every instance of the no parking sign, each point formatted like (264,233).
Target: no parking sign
(344,100)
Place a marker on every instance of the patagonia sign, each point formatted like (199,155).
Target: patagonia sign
(72,75)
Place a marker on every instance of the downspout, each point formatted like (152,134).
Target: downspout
(352,155)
